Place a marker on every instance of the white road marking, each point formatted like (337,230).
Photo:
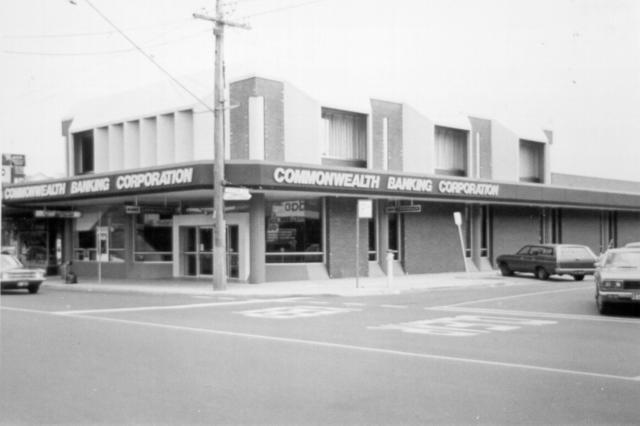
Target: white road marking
(367,349)
(527,367)
(291,312)
(515,296)
(463,325)
(175,307)
(394,306)
(576,317)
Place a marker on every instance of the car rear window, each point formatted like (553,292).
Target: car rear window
(575,253)
(624,259)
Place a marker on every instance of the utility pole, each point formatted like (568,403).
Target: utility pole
(219,228)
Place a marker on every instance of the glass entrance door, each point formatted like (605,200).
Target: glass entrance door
(198,251)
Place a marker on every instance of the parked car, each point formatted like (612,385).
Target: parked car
(617,278)
(635,244)
(544,260)
(16,276)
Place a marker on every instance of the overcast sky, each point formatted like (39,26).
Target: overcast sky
(572,66)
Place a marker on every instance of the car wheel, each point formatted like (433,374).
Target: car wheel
(603,307)
(505,271)
(578,277)
(33,288)
(542,273)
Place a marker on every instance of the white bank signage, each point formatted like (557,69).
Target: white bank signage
(103,185)
(369,181)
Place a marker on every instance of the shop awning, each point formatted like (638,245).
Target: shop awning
(87,221)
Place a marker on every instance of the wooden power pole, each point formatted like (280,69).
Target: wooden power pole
(219,228)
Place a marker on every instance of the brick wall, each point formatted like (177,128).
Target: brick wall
(628,227)
(582,227)
(341,237)
(431,241)
(393,112)
(273,93)
(482,127)
(513,227)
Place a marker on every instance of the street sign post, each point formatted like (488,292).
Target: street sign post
(457,218)
(365,211)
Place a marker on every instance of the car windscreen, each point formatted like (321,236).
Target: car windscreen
(575,253)
(624,259)
(9,262)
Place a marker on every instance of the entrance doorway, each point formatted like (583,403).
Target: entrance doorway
(198,251)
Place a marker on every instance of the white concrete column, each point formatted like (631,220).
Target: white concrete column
(101,150)
(148,142)
(165,153)
(131,144)
(202,135)
(116,147)
(183,136)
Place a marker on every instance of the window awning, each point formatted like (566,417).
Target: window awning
(87,221)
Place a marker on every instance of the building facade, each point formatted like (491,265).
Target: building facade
(137,201)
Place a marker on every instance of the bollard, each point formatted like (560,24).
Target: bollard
(389,268)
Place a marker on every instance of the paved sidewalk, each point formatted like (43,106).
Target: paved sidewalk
(335,287)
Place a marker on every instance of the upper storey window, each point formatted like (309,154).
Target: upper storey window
(531,161)
(344,137)
(451,151)
(83,153)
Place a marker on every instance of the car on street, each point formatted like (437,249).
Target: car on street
(617,278)
(16,276)
(544,260)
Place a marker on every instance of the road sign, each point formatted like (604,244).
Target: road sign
(232,193)
(365,209)
(405,208)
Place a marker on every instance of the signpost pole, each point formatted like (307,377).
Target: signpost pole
(457,218)
(357,249)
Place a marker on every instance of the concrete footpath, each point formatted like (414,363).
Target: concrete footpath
(334,287)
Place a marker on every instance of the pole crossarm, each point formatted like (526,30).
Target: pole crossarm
(221,21)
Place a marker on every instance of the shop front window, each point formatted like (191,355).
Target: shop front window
(153,239)
(294,231)
(107,228)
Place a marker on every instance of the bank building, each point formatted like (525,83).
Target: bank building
(137,199)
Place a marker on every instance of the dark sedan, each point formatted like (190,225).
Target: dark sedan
(544,260)
(618,278)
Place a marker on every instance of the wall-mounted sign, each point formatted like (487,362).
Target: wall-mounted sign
(199,175)
(382,182)
(236,194)
(131,209)
(365,209)
(63,214)
(405,208)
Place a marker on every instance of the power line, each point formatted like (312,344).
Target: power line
(149,57)
(104,52)
(90,34)
(280,9)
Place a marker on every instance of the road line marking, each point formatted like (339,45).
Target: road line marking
(394,306)
(365,349)
(31,311)
(175,307)
(515,296)
(577,317)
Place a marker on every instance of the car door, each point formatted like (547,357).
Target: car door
(521,260)
(532,259)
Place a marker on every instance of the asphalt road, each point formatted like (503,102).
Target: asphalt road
(519,351)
